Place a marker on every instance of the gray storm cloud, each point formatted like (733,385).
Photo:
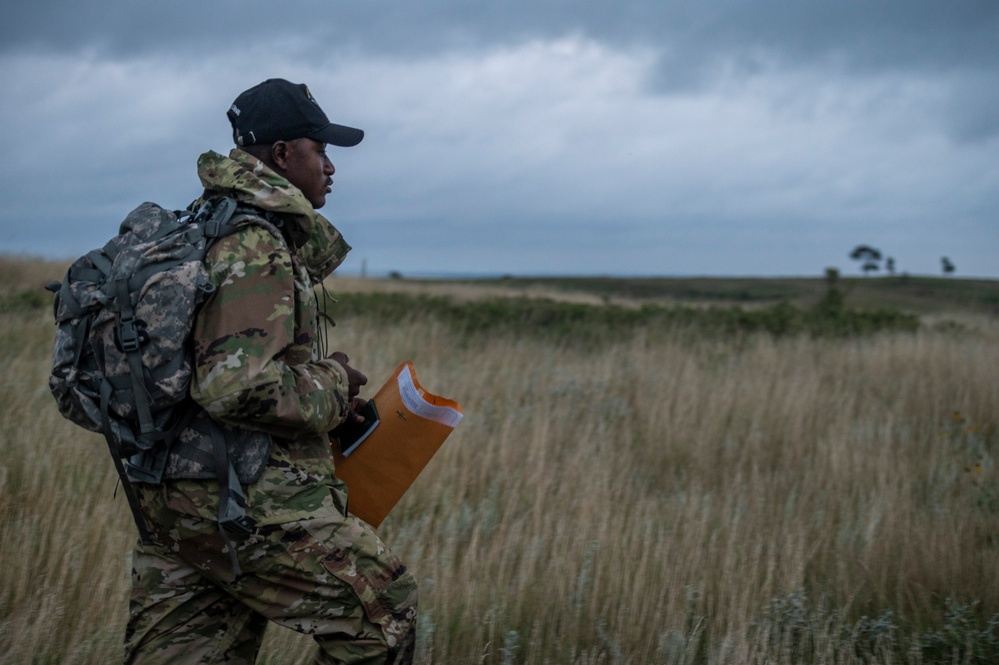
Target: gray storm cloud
(714,137)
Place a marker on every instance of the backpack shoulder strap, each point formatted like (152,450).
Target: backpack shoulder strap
(217,220)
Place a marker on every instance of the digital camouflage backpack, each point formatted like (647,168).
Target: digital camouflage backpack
(122,363)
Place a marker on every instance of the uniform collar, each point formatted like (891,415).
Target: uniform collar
(316,242)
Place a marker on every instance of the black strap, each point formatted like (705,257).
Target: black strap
(232,503)
(128,336)
(103,260)
(69,300)
(126,485)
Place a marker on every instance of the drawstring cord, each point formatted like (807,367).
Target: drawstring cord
(323,318)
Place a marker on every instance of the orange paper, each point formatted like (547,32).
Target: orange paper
(412,426)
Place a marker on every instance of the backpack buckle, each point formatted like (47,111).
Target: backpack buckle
(238,526)
(220,214)
(128,334)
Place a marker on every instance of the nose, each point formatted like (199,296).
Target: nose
(328,168)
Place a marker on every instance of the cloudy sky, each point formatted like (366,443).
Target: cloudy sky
(707,137)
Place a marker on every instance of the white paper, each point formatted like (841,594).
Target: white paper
(411,397)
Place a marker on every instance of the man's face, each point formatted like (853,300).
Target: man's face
(309,169)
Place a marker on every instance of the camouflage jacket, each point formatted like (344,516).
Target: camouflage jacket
(256,363)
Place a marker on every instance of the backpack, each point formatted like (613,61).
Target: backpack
(122,360)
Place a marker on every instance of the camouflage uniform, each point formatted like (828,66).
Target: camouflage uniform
(307,564)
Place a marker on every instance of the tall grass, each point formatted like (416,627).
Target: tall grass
(642,498)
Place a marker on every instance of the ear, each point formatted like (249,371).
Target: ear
(280,154)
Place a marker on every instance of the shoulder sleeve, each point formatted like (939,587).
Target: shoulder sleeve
(251,369)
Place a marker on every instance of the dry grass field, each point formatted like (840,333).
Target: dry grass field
(646,497)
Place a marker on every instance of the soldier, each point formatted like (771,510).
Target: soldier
(199,594)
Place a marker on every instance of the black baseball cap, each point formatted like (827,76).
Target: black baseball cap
(279,110)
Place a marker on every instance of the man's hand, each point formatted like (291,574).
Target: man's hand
(355,379)
(355,407)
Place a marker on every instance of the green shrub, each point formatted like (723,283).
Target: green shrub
(25,301)
(582,322)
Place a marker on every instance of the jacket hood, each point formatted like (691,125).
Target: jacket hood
(316,242)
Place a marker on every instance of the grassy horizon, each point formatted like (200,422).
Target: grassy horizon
(922,294)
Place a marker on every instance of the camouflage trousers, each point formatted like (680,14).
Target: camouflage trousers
(328,576)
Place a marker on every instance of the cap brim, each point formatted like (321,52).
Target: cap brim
(338,135)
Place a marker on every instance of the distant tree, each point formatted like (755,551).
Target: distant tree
(890,265)
(869,258)
(947,266)
(831,304)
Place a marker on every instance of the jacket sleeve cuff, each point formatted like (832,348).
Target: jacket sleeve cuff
(340,387)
